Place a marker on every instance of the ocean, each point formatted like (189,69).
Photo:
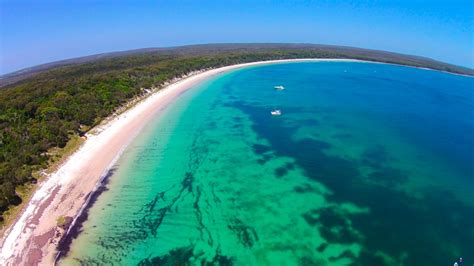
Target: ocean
(369,164)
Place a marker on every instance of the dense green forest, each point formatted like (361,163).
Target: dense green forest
(45,109)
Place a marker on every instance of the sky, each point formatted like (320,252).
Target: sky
(34,32)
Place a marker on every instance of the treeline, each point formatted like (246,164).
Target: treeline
(45,110)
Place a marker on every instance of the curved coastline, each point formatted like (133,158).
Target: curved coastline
(69,192)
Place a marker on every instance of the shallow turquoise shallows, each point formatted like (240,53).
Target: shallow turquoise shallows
(369,164)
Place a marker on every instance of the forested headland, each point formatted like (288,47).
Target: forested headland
(44,107)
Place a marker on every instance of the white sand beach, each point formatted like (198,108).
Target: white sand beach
(34,237)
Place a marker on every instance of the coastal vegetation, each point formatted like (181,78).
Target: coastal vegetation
(45,109)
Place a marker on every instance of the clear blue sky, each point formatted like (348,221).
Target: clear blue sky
(41,31)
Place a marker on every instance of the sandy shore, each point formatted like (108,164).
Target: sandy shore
(34,238)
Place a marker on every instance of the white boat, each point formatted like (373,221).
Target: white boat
(279,88)
(276,112)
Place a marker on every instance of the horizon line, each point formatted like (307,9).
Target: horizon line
(144,49)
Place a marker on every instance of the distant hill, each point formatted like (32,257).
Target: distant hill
(324,51)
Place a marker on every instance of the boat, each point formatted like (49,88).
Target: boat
(279,88)
(276,112)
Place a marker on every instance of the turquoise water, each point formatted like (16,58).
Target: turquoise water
(369,164)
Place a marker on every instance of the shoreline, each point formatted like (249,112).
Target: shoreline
(35,236)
